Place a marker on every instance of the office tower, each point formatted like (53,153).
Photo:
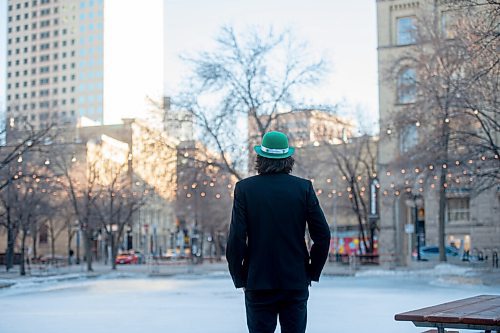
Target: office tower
(79,62)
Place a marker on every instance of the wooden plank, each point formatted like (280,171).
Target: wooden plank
(421,314)
(487,317)
(484,312)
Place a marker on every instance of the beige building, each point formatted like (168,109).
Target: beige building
(304,127)
(409,195)
(149,156)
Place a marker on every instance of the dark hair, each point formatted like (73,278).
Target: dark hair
(265,165)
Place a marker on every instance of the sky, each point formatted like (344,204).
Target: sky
(343,32)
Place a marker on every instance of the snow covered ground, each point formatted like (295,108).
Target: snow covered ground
(209,303)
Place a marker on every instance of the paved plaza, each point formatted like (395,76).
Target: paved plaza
(203,299)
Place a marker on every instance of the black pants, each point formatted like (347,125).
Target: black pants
(263,307)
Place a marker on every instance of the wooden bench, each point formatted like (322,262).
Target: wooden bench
(475,313)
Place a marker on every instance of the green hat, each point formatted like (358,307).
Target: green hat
(274,145)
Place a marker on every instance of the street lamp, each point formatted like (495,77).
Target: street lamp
(419,225)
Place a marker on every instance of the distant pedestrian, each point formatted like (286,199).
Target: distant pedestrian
(266,249)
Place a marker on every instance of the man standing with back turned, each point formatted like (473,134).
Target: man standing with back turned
(266,249)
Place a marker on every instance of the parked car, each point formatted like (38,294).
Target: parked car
(131,257)
(431,253)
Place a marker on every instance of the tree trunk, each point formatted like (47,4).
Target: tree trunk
(442,190)
(52,244)
(11,239)
(70,238)
(35,237)
(23,245)
(113,251)
(88,250)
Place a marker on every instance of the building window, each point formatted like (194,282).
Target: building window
(408,138)
(458,210)
(406,30)
(407,86)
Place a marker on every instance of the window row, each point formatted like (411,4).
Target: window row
(26,16)
(43,69)
(43,35)
(90,3)
(90,15)
(44,92)
(90,27)
(46,104)
(27,4)
(42,58)
(44,46)
(406,28)
(43,116)
(34,25)
(42,82)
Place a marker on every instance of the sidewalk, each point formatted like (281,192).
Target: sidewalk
(442,272)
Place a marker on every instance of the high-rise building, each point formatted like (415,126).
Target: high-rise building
(82,61)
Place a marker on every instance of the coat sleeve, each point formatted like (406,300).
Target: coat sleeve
(320,234)
(237,240)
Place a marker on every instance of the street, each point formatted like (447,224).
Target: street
(209,303)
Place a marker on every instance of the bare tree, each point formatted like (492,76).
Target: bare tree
(448,83)
(120,197)
(251,76)
(203,195)
(26,201)
(355,160)
(79,180)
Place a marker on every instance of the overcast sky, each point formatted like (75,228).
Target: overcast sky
(343,31)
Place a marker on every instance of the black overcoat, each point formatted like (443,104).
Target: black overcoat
(266,246)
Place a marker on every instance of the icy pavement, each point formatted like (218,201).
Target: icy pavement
(209,303)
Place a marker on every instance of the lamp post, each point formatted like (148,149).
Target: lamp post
(374,212)
(419,226)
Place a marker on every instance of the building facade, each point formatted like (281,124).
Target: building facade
(409,200)
(72,61)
